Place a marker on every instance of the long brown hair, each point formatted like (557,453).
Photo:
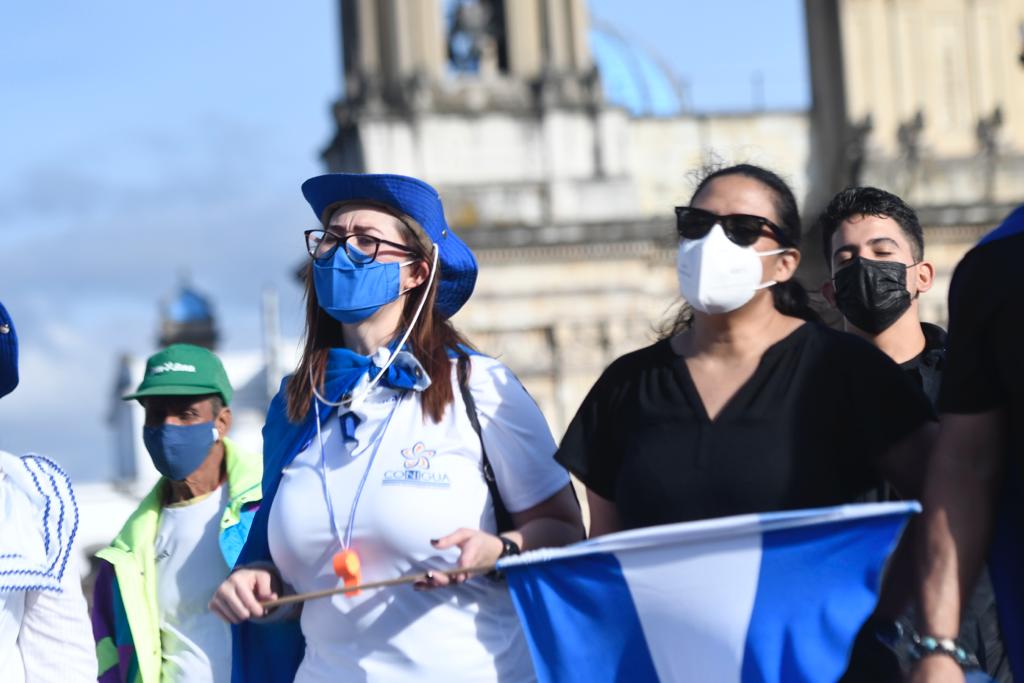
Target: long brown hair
(431,340)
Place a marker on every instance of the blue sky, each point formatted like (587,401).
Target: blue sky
(716,50)
(141,140)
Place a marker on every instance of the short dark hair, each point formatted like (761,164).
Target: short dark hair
(869,201)
(217,403)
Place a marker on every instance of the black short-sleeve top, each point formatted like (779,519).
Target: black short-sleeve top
(806,430)
(985,358)
(986,320)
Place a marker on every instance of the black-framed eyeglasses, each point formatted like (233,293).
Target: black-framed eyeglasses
(740,228)
(360,247)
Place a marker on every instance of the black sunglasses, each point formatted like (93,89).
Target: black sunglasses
(740,228)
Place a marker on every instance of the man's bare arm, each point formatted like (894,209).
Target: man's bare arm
(959,500)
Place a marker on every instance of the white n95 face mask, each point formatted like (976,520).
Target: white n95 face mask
(717,275)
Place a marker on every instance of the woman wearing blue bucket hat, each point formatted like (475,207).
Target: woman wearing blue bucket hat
(393,449)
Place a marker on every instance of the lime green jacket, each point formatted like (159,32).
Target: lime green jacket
(125,615)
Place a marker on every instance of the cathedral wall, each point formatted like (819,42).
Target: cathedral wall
(667,154)
(944,93)
(571,166)
(558,315)
(568,202)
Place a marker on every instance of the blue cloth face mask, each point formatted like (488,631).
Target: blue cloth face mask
(351,292)
(178,450)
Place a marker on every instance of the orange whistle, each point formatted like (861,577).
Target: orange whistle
(348,568)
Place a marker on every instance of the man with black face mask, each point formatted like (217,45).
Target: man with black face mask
(150,611)
(874,247)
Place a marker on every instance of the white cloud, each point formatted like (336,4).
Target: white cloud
(84,273)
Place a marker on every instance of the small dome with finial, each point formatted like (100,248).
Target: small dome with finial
(187,318)
(188,306)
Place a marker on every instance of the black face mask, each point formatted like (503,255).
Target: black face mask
(872,295)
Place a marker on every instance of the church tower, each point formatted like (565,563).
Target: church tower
(495,95)
(187,318)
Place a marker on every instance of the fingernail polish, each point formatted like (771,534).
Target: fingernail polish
(435,541)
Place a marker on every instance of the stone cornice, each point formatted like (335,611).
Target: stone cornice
(554,253)
(973,217)
(519,236)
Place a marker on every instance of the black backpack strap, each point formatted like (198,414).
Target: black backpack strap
(501,513)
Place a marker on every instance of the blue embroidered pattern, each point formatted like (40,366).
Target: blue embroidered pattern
(54,487)
(64,499)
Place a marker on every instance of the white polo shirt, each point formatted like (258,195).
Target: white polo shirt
(421,480)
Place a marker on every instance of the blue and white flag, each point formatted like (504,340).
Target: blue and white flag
(770,597)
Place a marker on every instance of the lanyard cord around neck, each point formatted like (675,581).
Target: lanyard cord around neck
(355,400)
(346,542)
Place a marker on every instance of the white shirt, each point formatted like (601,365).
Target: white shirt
(196,644)
(45,633)
(422,481)
(45,636)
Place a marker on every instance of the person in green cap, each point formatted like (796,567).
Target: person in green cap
(150,616)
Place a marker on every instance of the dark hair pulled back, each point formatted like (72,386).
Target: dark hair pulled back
(790,297)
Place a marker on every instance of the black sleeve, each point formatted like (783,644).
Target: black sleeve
(980,322)
(588,449)
(883,405)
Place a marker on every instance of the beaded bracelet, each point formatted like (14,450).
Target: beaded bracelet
(924,646)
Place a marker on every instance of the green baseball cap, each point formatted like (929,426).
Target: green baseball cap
(183,370)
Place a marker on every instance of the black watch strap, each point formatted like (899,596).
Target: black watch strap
(508,547)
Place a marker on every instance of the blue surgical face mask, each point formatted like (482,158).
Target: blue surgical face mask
(351,292)
(178,450)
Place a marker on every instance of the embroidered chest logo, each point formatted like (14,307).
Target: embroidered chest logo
(416,469)
(417,457)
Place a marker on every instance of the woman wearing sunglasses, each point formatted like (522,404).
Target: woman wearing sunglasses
(396,447)
(749,404)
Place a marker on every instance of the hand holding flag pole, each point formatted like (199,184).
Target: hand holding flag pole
(352,588)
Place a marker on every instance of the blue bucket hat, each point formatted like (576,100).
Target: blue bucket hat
(417,199)
(8,353)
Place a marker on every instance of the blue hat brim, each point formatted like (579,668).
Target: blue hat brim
(8,353)
(1012,225)
(417,199)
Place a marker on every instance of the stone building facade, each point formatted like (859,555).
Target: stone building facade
(924,98)
(567,200)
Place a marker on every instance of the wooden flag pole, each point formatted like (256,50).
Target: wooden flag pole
(401,580)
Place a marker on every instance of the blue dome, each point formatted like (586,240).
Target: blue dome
(632,77)
(189,307)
